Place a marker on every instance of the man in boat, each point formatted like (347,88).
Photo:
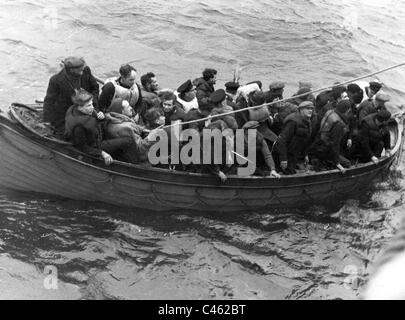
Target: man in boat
(85,133)
(326,149)
(186,96)
(120,124)
(231,88)
(264,160)
(124,87)
(293,141)
(276,90)
(62,86)
(220,106)
(372,106)
(375,136)
(205,85)
(149,91)
(170,108)
(337,94)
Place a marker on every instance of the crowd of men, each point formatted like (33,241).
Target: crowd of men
(335,129)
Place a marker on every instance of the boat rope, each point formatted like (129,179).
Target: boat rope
(288,99)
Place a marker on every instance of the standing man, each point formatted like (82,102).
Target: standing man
(74,76)
(124,87)
(205,86)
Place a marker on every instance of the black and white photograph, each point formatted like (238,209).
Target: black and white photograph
(202,150)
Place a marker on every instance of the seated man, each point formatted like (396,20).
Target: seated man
(368,107)
(149,91)
(84,131)
(231,89)
(220,106)
(375,136)
(326,149)
(276,90)
(62,86)
(123,87)
(186,96)
(170,109)
(120,124)
(293,142)
(264,158)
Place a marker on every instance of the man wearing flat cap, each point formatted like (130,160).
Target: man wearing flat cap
(186,97)
(218,100)
(276,90)
(375,136)
(293,141)
(372,106)
(74,76)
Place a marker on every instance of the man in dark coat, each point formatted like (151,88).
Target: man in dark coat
(63,86)
(205,85)
(293,141)
(334,127)
(375,136)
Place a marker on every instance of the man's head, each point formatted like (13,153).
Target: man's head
(257,98)
(277,88)
(122,107)
(383,117)
(149,82)
(168,98)
(186,91)
(374,88)
(231,87)
(380,99)
(154,118)
(84,101)
(343,107)
(210,75)
(217,98)
(128,75)
(355,93)
(339,93)
(306,109)
(74,66)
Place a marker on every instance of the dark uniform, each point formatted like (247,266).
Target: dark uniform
(59,94)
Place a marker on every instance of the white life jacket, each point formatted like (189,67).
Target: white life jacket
(131,94)
(187,106)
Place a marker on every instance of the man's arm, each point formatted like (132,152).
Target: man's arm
(285,137)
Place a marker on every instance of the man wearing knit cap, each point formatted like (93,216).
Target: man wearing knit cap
(372,106)
(230,89)
(74,76)
(333,129)
(373,88)
(293,141)
(375,136)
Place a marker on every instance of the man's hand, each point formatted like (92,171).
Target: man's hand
(374,159)
(349,143)
(107,158)
(283,165)
(100,116)
(340,167)
(274,174)
(222,176)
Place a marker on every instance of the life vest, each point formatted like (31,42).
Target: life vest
(74,118)
(131,95)
(330,119)
(187,106)
(304,130)
(376,133)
